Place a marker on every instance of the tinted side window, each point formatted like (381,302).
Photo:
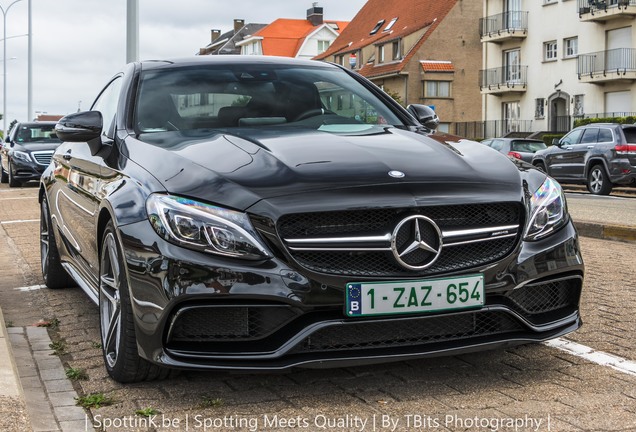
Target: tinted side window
(590,136)
(106,103)
(572,137)
(605,135)
(497,144)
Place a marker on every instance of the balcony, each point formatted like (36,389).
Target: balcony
(502,80)
(605,10)
(606,66)
(505,26)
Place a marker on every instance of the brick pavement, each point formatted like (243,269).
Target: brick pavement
(533,382)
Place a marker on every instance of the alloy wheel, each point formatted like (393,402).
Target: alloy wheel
(44,238)
(596,180)
(110,299)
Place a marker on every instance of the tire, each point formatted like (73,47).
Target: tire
(53,273)
(598,182)
(117,327)
(541,167)
(4,177)
(12,182)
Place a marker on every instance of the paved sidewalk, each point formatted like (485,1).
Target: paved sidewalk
(13,416)
(35,394)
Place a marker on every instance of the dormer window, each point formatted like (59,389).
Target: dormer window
(390,24)
(377,27)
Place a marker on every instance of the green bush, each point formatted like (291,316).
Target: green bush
(621,120)
(547,138)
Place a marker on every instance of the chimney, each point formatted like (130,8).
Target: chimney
(314,14)
(215,33)
(238,25)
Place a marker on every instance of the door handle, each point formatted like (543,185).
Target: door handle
(67,155)
(590,147)
(568,148)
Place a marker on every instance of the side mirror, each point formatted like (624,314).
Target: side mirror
(80,127)
(8,139)
(425,115)
(555,142)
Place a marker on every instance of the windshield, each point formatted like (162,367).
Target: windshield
(527,146)
(257,95)
(36,134)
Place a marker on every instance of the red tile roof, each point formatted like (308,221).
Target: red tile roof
(437,66)
(284,36)
(412,16)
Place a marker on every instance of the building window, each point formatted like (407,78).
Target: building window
(570,47)
(579,108)
(322,46)
(512,65)
(390,24)
(381,54)
(511,113)
(397,54)
(377,27)
(550,51)
(437,89)
(340,60)
(539,108)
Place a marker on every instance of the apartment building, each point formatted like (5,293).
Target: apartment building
(547,62)
(419,51)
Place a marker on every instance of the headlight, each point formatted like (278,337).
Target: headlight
(548,210)
(21,156)
(204,227)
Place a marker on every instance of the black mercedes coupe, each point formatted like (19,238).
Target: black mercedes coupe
(259,213)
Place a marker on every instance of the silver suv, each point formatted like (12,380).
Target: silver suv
(599,155)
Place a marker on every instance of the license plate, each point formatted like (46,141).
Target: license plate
(414,296)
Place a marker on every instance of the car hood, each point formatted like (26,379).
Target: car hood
(288,167)
(35,146)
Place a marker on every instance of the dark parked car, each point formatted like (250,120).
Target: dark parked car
(255,213)
(600,155)
(518,148)
(27,152)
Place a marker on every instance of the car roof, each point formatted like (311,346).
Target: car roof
(518,139)
(36,124)
(231,60)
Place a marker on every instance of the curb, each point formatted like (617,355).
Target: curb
(9,382)
(15,415)
(624,233)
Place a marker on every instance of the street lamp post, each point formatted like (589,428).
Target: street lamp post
(4,66)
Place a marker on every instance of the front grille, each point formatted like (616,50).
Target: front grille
(378,260)
(228,322)
(347,223)
(408,332)
(42,157)
(383,263)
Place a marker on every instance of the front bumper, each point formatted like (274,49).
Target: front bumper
(194,310)
(24,171)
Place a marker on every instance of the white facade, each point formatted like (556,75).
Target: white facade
(530,80)
(317,42)
(314,43)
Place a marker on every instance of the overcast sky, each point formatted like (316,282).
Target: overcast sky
(79,44)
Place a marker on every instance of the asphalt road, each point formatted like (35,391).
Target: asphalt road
(537,387)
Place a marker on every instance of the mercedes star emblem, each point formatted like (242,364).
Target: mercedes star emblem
(416,242)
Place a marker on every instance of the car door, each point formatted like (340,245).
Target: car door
(559,159)
(77,200)
(579,152)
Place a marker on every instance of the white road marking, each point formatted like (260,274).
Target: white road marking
(17,198)
(30,288)
(19,221)
(599,357)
